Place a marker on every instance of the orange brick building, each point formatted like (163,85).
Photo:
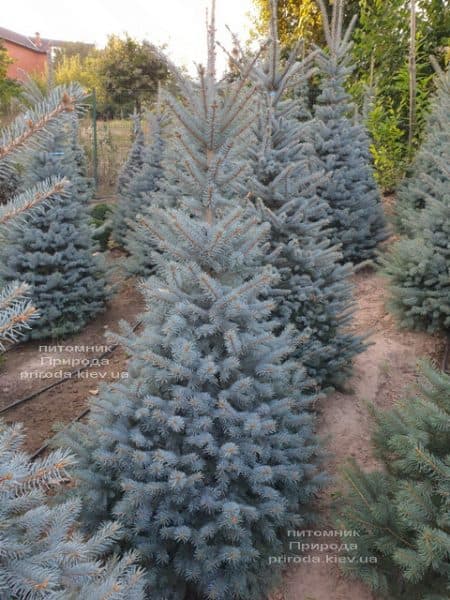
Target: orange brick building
(30,55)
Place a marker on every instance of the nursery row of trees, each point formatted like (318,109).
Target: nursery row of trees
(245,211)
(43,555)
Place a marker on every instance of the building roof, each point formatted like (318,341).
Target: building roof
(35,43)
(22,40)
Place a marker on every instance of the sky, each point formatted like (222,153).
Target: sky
(180,24)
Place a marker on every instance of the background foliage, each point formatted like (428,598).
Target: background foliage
(380,52)
(125,74)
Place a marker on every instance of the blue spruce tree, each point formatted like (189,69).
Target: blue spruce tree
(30,129)
(315,288)
(418,267)
(147,189)
(425,171)
(125,201)
(207,451)
(52,250)
(355,209)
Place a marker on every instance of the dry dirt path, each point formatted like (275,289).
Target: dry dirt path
(382,374)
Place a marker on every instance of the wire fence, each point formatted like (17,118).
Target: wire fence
(106,144)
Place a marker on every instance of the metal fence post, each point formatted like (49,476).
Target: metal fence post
(94,137)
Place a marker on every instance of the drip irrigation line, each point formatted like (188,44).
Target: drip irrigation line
(76,372)
(445,366)
(48,441)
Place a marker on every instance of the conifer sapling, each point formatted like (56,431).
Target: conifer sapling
(206,452)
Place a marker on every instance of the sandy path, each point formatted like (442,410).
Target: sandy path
(383,373)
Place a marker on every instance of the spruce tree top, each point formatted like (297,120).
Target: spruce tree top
(134,158)
(335,64)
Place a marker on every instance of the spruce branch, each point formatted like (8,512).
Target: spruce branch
(37,195)
(35,125)
(12,293)
(15,312)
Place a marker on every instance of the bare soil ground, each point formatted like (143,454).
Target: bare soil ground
(27,369)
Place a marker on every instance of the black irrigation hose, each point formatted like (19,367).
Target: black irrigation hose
(446,356)
(60,381)
(47,442)
(85,412)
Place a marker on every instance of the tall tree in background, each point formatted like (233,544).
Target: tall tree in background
(298,19)
(382,49)
(315,288)
(207,451)
(380,54)
(342,146)
(125,74)
(68,50)
(130,72)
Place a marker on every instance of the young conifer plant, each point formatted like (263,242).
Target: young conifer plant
(207,451)
(315,292)
(418,266)
(147,189)
(125,200)
(52,250)
(28,131)
(402,513)
(349,188)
